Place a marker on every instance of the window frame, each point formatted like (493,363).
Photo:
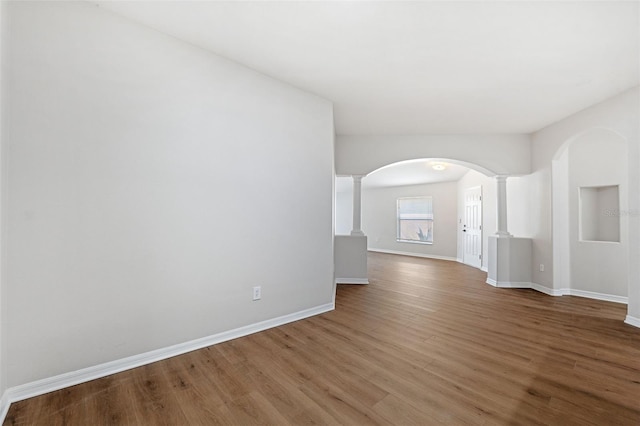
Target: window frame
(399,220)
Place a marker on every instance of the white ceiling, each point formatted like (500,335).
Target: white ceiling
(411,172)
(422,67)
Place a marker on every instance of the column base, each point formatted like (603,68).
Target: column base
(350,257)
(509,261)
(503,234)
(357,233)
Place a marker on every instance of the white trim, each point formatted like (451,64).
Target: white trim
(428,243)
(4,406)
(507,284)
(550,291)
(478,189)
(482,268)
(405,253)
(599,296)
(632,321)
(352,281)
(50,384)
(560,291)
(513,284)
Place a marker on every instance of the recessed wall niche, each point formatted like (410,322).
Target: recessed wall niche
(600,213)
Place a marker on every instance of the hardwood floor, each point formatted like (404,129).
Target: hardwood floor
(427,342)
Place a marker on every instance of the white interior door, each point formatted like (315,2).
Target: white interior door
(472,227)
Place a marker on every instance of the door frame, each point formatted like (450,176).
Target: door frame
(464,217)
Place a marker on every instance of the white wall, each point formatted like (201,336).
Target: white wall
(3,194)
(519,201)
(561,242)
(344,211)
(152,185)
(618,114)
(379,218)
(598,158)
(497,154)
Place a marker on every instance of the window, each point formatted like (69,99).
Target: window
(415,220)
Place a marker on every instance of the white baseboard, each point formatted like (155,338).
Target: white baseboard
(507,284)
(4,406)
(632,321)
(599,296)
(406,253)
(482,268)
(550,291)
(50,384)
(352,281)
(560,291)
(512,284)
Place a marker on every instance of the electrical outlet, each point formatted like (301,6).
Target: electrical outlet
(257,293)
(542,267)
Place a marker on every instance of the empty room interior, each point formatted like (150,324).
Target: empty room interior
(320,212)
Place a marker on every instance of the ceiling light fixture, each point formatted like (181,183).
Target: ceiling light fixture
(438,166)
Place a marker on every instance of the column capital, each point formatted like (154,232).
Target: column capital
(358,177)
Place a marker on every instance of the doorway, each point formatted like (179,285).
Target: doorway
(472,227)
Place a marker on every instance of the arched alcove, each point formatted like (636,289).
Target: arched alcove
(589,186)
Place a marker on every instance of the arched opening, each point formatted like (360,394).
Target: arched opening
(444,182)
(429,161)
(589,189)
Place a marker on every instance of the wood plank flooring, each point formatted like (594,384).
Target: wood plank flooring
(426,343)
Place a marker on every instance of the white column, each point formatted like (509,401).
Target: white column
(357,205)
(501,212)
